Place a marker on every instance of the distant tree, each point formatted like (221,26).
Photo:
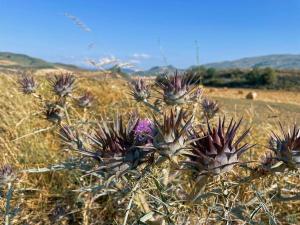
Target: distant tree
(254,77)
(268,76)
(211,73)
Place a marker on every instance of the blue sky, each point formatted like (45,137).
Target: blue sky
(147,31)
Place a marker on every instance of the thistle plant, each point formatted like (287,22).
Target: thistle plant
(117,147)
(63,84)
(216,150)
(27,84)
(139,90)
(120,146)
(7,174)
(54,112)
(123,158)
(86,100)
(286,146)
(178,89)
(171,134)
(210,108)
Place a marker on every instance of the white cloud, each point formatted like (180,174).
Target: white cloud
(111,61)
(141,56)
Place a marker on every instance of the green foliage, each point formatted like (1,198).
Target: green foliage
(256,77)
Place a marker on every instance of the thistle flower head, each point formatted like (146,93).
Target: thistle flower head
(216,151)
(171,134)
(118,145)
(210,108)
(6,174)
(139,90)
(144,131)
(63,84)
(178,89)
(54,113)
(287,146)
(27,84)
(86,100)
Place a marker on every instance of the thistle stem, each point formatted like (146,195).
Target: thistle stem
(33,133)
(152,107)
(198,187)
(7,207)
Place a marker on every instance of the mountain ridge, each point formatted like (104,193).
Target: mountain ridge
(276,61)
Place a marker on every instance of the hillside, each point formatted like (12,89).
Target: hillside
(157,70)
(282,61)
(21,61)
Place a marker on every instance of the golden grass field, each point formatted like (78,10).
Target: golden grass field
(38,194)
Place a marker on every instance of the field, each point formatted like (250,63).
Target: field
(28,142)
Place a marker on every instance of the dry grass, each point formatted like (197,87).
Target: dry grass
(39,194)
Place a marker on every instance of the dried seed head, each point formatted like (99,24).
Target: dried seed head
(267,161)
(6,174)
(215,151)
(171,135)
(139,90)
(27,84)
(63,84)
(287,147)
(178,89)
(54,113)
(57,214)
(119,146)
(70,138)
(86,100)
(210,108)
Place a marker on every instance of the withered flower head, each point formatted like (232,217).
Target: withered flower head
(210,108)
(216,151)
(267,161)
(6,174)
(54,113)
(27,84)
(63,84)
(287,147)
(139,90)
(86,100)
(178,89)
(171,133)
(70,138)
(119,146)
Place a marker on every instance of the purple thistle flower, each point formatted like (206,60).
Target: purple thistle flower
(144,131)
